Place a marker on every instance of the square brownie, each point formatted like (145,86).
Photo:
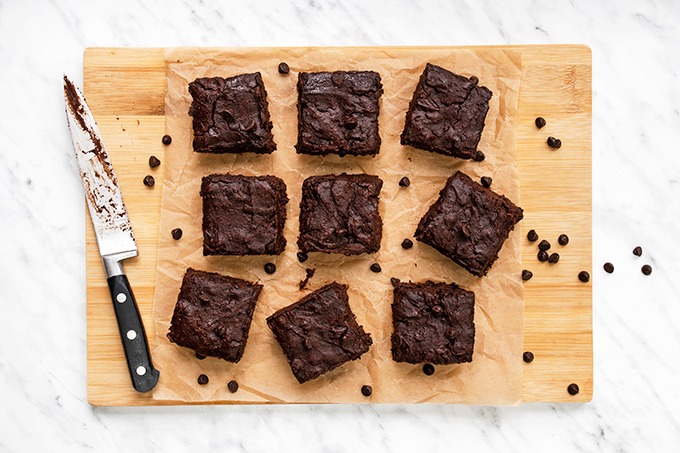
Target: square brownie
(339,214)
(243,215)
(213,314)
(468,223)
(446,114)
(231,115)
(319,332)
(338,113)
(433,323)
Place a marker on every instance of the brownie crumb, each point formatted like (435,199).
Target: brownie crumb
(166,139)
(404,182)
(395,281)
(544,245)
(532,236)
(479,156)
(584,276)
(284,68)
(270,268)
(540,122)
(149,181)
(637,251)
(428,369)
(309,274)
(573,389)
(608,268)
(176,234)
(542,256)
(486,181)
(375,267)
(554,258)
(563,239)
(554,143)
(154,162)
(406,244)
(200,356)
(526,275)
(366,390)
(232,386)
(302,257)
(528,356)
(646,269)
(203,379)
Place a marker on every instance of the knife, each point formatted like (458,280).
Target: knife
(113,231)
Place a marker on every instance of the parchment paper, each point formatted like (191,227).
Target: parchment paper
(494,376)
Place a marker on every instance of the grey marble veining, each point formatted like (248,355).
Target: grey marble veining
(636,201)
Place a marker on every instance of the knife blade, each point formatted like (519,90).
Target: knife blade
(113,231)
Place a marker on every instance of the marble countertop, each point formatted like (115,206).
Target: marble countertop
(636,201)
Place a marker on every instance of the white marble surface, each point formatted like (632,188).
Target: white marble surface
(636,131)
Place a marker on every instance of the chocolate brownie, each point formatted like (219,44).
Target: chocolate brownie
(243,215)
(213,314)
(433,323)
(468,223)
(231,115)
(339,214)
(338,113)
(446,114)
(319,332)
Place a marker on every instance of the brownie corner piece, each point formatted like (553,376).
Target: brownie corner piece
(446,114)
(338,113)
(319,332)
(339,214)
(231,115)
(213,314)
(243,215)
(433,323)
(468,223)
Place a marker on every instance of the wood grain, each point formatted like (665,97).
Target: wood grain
(125,89)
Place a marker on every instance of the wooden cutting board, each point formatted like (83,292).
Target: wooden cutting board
(125,89)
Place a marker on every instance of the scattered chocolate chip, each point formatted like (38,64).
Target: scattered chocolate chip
(428,369)
(284,68)
(646,269)
(637,251)
(532,236)
(309,274)
(608,268)
(540,122)
(542,256)
(573,389)
(479,156)
(366,390)
(302,256)
(176,234)
(270,268)
(486,181)
(544,245)
(203,379)
(526,275)
(375,267)
(166,139)
(474,79)
(554,258)
(154,162)
(232,386)
(584,276)
(404,182)
(528,356)
(555,143)
(200,356)
(149,181)
(563,239)
(395,281)
(406,243)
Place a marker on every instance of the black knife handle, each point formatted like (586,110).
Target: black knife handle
(144,376)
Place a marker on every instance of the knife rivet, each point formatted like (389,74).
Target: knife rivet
(121,298)
(131,334)
(141,370)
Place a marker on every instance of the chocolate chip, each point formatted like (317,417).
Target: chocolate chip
(284,68)
(154,162)
(232,386)
(584,276)
(526,275)
(302,256)
(573,389)
(608,268)
(270,268)
(404,182)
(351,123)
(406,244)
(479,156)
(637,251)
(563,239)
(309,273)
(437,309)
(554,258)
(544,245)
(555,143)
(646,269)
(366,390)
(540,122)
(200,356)
(375,267)
(474,80)
(486,181)
(542,256)
(166,139)
(395,281)
(149,181)
(203,379)
(428,369)
(532,236)
(528,356)
(176,234)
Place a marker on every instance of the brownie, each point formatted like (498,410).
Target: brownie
(339,214)
(231,115)
(243,215)
(319,332)
(338,113)
(446,114)
(468,223)
(213,314)
(433,323)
